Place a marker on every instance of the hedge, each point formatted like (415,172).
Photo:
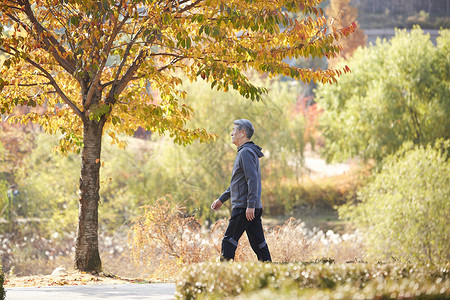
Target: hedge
(218,280)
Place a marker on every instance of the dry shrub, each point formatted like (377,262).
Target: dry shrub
(165,238)
(215,239)
(244,251)
(293,242)
(288,242)
(341,248)
(27,253)
(216,234)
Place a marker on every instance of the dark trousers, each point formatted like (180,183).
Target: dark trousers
(238,224)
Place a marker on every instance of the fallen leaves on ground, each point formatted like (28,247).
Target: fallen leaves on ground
(71,278)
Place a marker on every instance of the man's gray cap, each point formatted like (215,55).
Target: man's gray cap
(246,125)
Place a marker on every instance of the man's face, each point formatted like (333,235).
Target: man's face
(236,135)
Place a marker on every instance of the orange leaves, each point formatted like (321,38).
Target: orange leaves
(98,161)
(343,32)
(346,31)
(346,69)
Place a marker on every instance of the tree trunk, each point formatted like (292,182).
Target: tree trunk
(87,257)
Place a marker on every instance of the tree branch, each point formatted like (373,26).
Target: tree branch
(18,22)
(57,88)
(174,61)
(66,32)
(192,5)
(166,54)
(178,58)
(120,86)
(51,82)
(95,82)
(51,44)
(124,58)
(33,84)
(14,7)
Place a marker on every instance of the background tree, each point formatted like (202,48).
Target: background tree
(341,11)
(91,65)
(397,92)
(16,142)
(404,210)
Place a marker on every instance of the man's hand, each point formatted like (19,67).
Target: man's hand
(216,204)
(250,213)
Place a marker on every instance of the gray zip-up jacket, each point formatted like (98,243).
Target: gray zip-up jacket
(245,187)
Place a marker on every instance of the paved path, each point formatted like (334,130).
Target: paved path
(154,291)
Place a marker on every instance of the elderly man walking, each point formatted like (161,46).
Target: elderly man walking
(245,194)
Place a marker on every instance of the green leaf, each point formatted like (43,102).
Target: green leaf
(98,110)
(74,20)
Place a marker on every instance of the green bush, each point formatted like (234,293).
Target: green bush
(404,210)
(215,280)
(2,279)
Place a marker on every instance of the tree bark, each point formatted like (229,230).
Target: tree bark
(87,257)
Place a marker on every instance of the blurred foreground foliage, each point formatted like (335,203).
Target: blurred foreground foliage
(398,91)
(403,212)
(317,280)
(2,279)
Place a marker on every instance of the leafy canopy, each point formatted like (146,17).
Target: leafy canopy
(119,61)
